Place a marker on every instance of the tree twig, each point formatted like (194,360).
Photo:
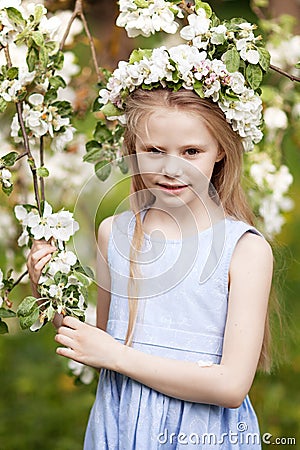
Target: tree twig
(7,56)
(260,14)
(31,160)
(18,280)
(78,11)
(42,181)
(286,74)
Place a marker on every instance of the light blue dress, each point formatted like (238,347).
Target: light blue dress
(182,315)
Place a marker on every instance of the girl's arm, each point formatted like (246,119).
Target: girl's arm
(225,384)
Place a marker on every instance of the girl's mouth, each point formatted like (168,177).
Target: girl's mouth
(172,187)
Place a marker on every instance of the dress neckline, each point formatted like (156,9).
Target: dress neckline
(179,241)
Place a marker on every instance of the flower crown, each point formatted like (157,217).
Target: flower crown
(223,61)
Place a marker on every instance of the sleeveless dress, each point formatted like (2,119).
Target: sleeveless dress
(183,297)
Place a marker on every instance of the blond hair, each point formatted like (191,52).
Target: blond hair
(226,177)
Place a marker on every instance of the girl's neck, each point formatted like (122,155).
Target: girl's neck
(181,222)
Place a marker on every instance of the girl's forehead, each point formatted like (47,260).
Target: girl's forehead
(172,122)
(174,128)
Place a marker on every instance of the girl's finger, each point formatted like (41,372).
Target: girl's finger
(66,331)
(71,322)
(67,352)
(36,256)
(64,340)
(42,262)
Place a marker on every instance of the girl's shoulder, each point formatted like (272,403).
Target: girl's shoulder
(248,241)
(121,221)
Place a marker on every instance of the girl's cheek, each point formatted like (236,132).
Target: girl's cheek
(149,164)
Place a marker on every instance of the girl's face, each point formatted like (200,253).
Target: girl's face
(176,155)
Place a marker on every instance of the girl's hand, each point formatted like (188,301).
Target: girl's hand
(87,344)
(38,257)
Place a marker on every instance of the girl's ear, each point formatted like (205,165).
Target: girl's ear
(220,155)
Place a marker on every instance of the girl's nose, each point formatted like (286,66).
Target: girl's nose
(172,166)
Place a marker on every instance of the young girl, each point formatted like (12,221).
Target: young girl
(184,281)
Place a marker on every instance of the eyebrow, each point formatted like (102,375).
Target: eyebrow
(183,147)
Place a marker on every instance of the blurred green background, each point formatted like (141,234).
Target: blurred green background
(41,408)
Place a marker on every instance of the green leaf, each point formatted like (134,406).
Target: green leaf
(254,76)
(6,313)
(64,108)
(111,110)
(51,46)
(122,165)
(27,306)
(203,5)
(138,54)
(141,3)
(15,16)
(92,156)
(32,58)
(50,95)
(78,313)
(42,172)
(91,145)
(198,88)
(102,170)
(58,60)
(38,38)
(297,65)
(38,13)
(3,105)
(232,60)
(57,82)
(264,58)
(12,73)
(9,159)
(102,133)
(88,271)
(30,319)
(43,57)
(3,327)
(50,313)
(7,190)
(82,278)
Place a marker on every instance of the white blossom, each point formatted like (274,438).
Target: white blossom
(39,226)
(275,118)
(259,171)
(50,26)
(237,82)
(198,26)
(63,226)
(273,220)
(55,291)
(218,34)
(1,279)
(286,53)
(159,15)
(62,262)
(247,51)
(60,140)
(5,176)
